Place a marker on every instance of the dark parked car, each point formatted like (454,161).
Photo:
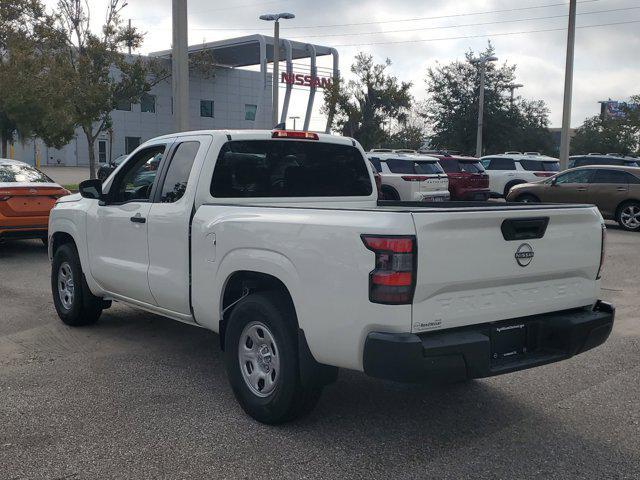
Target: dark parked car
(614,190)
(467,177)
(598,159)
(105,170)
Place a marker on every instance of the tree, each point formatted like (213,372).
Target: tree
(452,109)
(31,76)
(608,135)
(100,77)
(367,104)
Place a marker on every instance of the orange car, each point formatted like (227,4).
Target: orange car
(26,198)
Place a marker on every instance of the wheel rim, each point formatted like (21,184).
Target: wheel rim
(66,287)
(630,216)
(259,359)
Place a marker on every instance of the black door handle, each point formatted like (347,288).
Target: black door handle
(138,219)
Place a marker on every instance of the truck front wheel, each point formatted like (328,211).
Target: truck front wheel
(74,302)
(262,360)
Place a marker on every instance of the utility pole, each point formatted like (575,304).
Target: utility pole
(483,69)
(129,41)
(568,86)
(180,67)
(275,17)
(294,121)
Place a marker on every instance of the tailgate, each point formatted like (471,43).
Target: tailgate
(468,273)
(434,184)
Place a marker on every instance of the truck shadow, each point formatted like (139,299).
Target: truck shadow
(372,422)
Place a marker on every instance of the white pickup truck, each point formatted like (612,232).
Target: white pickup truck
(276,241)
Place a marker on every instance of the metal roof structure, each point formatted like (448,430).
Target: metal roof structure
(258,50)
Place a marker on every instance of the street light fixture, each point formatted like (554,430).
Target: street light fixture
(482,61)
(294,118)
(512,87)
(275,17)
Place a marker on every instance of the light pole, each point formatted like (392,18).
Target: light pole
(180,67)
(482,61)
(275,17)
(512,87)
(294,118)
(568,86)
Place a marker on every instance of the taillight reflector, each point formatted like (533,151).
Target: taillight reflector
(294,134)
(393,278)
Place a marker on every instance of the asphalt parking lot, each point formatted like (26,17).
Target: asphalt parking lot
(139,396)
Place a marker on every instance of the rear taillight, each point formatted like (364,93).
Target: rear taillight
(295,134)
(543,174)
(393,279)
(414,178)
(603,251)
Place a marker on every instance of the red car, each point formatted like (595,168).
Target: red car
(467,178)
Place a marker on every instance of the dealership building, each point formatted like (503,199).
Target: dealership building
(237,95)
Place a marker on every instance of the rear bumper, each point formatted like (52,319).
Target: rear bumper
(480,194)
(431,196)
(462,353)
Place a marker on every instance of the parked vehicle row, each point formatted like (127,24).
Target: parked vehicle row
(275,240)
(416,177)
(26,198)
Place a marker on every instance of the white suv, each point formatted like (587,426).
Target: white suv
(512,168)
(411,178)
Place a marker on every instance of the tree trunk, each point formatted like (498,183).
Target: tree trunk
(92,152)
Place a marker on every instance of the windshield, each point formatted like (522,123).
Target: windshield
(459,166)
(631,163)
(22,174)
(540,166)
(412,167)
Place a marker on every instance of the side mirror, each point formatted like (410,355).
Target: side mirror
(91,189)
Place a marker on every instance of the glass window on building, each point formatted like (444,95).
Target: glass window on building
(148,103)
(206,108)
(130,144)
(102,151)
(250,112)
(124,105)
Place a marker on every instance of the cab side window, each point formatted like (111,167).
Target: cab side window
(135,181)
(611,176)
(175,182)
(501,164)
(578,176)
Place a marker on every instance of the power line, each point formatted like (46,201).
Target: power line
(562,29)
(503,10)
(496,22)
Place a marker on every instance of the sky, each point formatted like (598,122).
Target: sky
(416,34)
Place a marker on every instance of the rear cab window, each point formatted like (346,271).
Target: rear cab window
(540,165)
(289,168)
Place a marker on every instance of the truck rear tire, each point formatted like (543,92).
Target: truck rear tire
(74,302)
(262,362)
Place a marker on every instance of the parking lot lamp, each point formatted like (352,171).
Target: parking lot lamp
(482,62)
(275,17)
(512,87)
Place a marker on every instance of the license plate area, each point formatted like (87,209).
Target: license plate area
(509,341)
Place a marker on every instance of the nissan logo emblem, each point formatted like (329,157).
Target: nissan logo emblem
(524,255)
